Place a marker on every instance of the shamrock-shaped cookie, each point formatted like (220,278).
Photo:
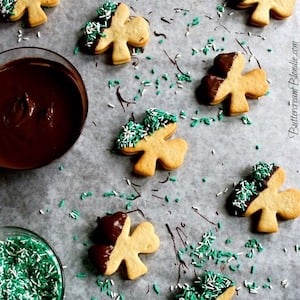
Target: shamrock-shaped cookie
(113,27)
(227,82)
(115,244)
(279,9)
(260,192)
(151,139)
(14,10)
(210,285)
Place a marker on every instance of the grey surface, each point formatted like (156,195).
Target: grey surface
(221,153)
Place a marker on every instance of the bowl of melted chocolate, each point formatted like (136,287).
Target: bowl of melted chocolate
(43,107)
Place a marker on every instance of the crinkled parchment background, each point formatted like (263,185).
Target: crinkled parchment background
(218,155)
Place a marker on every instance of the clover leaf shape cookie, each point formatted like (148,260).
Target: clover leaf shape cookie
(115,244)
(209,285)
(14,10)
(150,138)
(260,192)
(114,27)
(227,82)
(279,9)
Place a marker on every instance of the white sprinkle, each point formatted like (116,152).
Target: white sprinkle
(25,38)
(38,34)
(284,250)
(111,105)
(213,151)
(19,40)
(41,212)
(284,283)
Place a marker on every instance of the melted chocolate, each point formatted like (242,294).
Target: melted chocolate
(105,236)
(99,255)
(261,185)
(43,106)
(223,63)
(109,228)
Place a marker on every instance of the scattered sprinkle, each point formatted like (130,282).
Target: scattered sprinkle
(74,214)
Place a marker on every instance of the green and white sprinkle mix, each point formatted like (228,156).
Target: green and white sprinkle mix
(6,8)
(28,270)
(133,132)
(208,286)
(93,30)
(247,189)
(106,286)
(203,251)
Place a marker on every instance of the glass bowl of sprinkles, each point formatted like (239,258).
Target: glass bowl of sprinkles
(29,267)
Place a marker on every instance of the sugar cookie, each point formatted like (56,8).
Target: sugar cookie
(114,27)
(260,192)
(150,137)
(226,81)
(279,9)
(115,244)
(14,10)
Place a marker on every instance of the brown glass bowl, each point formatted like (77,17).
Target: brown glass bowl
(43,107)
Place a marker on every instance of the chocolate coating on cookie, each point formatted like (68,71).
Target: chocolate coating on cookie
(249,188)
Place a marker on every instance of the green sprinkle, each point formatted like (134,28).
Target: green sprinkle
(113,83)
(60,168)
(156,288)
(167,198)
(252,270)
(109,194)
(182,114)
(204,179)
(165,76)
(177,200)
(246,120)
(137,77)
(81,275)
(173,178)
(195,122)
(61,203)
(234,268)
(195,21)
(76,50)
(269,50)
(85,195)
(149,57)
(228,241)
(161,41)
(194,51)
(128,205)
(267,93)
(257,147)
(74,214)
